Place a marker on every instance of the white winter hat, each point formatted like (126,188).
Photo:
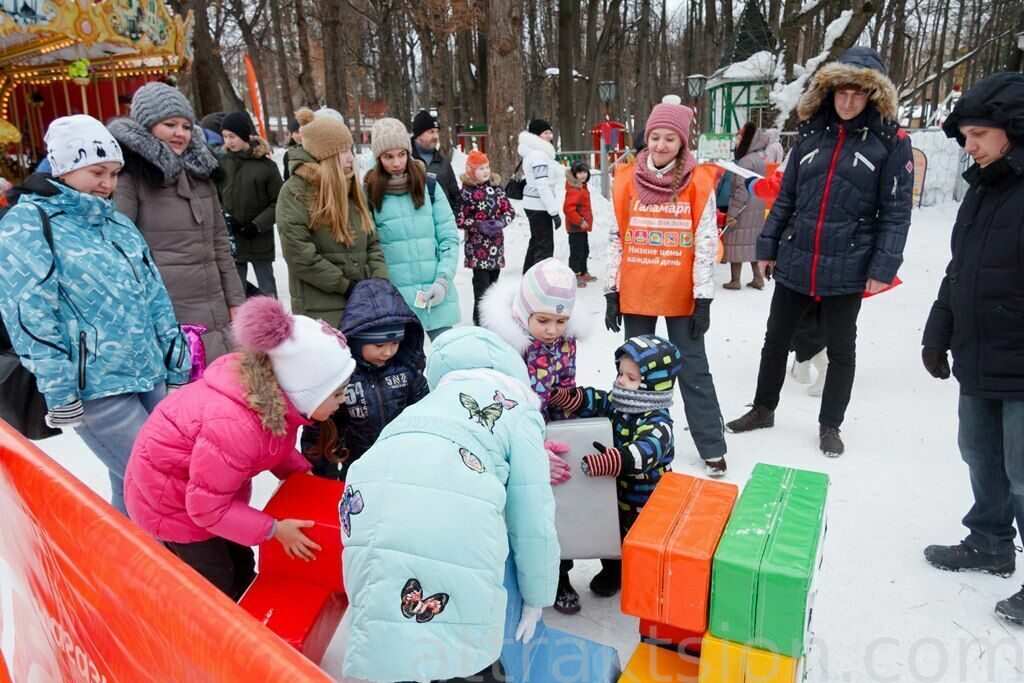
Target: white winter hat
(74,142)
(310,358)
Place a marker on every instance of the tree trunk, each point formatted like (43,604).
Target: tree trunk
(568,27)
(506,94)
(306,80)
(335,84)
(277,27)
(643,59)
(206,91)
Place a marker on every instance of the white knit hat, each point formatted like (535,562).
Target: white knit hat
(74,142)
(310,358)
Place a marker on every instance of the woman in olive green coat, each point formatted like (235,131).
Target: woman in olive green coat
(327,234)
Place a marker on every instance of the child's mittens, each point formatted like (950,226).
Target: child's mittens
(560,471)
(569,400)
(607,462)
(490,227)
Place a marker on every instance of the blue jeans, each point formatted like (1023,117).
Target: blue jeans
(109,430)
(434,334)
(991,440)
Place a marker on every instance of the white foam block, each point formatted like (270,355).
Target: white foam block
(586,509)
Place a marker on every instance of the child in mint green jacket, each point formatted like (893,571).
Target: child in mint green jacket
(430,512)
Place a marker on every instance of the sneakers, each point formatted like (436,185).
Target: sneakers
(756,418)
(715,468)
(567,600)
(829,442)
(964,558)
(608,581)
(1012,608)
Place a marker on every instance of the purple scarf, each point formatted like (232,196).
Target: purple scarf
(194,336)
(653,189)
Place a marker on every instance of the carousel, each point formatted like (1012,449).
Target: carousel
(62,57)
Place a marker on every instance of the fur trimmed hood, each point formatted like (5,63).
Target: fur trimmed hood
(496,315)
(197,160)
(528,142)
(469,182)
(834,74)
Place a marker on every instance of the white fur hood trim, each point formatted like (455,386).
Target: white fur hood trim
(496,315)
(528,142)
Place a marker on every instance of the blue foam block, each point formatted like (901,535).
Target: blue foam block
(551,656)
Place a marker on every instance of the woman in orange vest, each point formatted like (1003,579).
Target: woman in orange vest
(662,262)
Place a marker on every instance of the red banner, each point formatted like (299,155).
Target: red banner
(254,95)
(86,596)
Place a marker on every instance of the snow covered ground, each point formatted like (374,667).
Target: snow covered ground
(882,614)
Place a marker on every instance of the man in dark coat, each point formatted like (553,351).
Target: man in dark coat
(837,229)
(382,385)
(426,134)
(979,316)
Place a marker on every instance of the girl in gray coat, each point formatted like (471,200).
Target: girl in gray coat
(746,214)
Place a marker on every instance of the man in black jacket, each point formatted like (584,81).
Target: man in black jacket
(426,134)
(837,229)
(979,315)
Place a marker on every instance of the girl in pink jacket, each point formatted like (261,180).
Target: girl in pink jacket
(190,475)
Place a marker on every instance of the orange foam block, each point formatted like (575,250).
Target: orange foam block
(666,557)
(651,664)
(302,602)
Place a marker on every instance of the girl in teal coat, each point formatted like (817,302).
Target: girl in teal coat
(416,227)
(431,510)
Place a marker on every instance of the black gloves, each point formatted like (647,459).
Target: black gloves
(935,362)
(700,321)
(557,220)
(248,231)
(612,315)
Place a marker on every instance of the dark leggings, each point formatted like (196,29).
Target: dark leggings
(227,565)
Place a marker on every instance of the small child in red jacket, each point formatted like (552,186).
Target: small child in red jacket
(579,220)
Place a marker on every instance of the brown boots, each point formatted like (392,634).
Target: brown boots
(735,272)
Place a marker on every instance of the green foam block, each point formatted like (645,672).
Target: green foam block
(761,582)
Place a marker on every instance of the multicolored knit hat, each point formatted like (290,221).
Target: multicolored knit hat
(382,334)
(659,360)
(548,287)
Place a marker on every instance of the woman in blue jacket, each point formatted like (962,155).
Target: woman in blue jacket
(416,228)
(82,300)
(430,513)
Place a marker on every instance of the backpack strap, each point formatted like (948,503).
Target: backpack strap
(431,185)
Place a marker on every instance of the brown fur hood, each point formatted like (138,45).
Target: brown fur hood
(469,182)
(834,74)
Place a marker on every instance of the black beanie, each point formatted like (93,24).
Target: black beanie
(538,126)
(238,122)
(423,122)
(293,125)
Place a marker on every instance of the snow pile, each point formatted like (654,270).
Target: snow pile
(786,96)
(760,66)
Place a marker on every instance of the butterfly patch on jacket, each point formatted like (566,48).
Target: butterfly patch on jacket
(351,504)
(414,605)
(471,461)
(487,415)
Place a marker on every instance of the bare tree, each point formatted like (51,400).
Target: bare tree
(505,92)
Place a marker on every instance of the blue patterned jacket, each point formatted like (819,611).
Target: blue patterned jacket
(91,318)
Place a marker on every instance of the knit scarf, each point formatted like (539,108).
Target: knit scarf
(632,401)
(398,184)
(654,187)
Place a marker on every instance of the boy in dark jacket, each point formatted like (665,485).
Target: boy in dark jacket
(643,447)
(579,219)
(386,339)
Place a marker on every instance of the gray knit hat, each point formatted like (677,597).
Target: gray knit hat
(156,102)
(389,134)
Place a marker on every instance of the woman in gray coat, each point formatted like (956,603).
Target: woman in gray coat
(167,188)
(746,213)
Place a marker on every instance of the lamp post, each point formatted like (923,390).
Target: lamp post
(606,91)
(695,85)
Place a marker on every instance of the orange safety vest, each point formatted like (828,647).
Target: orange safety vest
(656,270)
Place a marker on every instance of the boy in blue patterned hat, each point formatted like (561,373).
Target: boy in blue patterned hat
(644,446)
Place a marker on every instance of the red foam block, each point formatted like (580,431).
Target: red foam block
(303,616)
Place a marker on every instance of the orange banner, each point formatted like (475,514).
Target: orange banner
(254,95)
(86,596)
